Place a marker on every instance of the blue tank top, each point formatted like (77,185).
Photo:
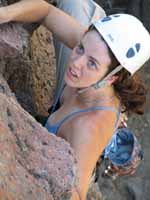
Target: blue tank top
(53,128)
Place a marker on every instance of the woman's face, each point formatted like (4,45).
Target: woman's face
(88,62)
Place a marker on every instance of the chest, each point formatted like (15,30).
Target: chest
(61,119)
(70,111)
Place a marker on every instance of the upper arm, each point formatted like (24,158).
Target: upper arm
(64,27)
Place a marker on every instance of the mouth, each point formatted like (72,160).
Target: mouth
(72,72)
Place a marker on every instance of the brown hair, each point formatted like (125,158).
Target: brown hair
(130,89)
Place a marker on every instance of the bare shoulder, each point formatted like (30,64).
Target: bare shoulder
(94,128)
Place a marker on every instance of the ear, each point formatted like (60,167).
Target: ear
(112,79)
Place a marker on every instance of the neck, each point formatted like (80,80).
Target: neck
(93,97)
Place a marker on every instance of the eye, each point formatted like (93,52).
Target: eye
(80,49)
(92,64)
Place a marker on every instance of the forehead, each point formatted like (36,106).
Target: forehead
(95,46)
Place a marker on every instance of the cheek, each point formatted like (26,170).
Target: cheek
(99,75)
(70,59)
(90,78)
(104,70)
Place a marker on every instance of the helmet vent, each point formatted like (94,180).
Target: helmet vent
(131,52)
(138,46)
(105,19)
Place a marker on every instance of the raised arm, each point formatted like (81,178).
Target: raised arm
(63,26)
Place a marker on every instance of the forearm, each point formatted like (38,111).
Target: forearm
(25,11)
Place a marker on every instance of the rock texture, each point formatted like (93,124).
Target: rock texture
(32,76)
(33,163)
(27,62)
(16,71)
(43,69)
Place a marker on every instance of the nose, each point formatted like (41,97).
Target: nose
(79,62)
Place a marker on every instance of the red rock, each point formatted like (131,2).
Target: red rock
(33,163)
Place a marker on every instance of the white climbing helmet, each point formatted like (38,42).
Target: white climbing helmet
(127,38)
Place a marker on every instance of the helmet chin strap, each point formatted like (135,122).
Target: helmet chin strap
(102,82)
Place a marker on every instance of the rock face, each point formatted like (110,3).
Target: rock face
(33,163)
(29,64)
(43,69)
(32,76)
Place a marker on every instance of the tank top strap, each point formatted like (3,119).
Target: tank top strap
(89,110)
